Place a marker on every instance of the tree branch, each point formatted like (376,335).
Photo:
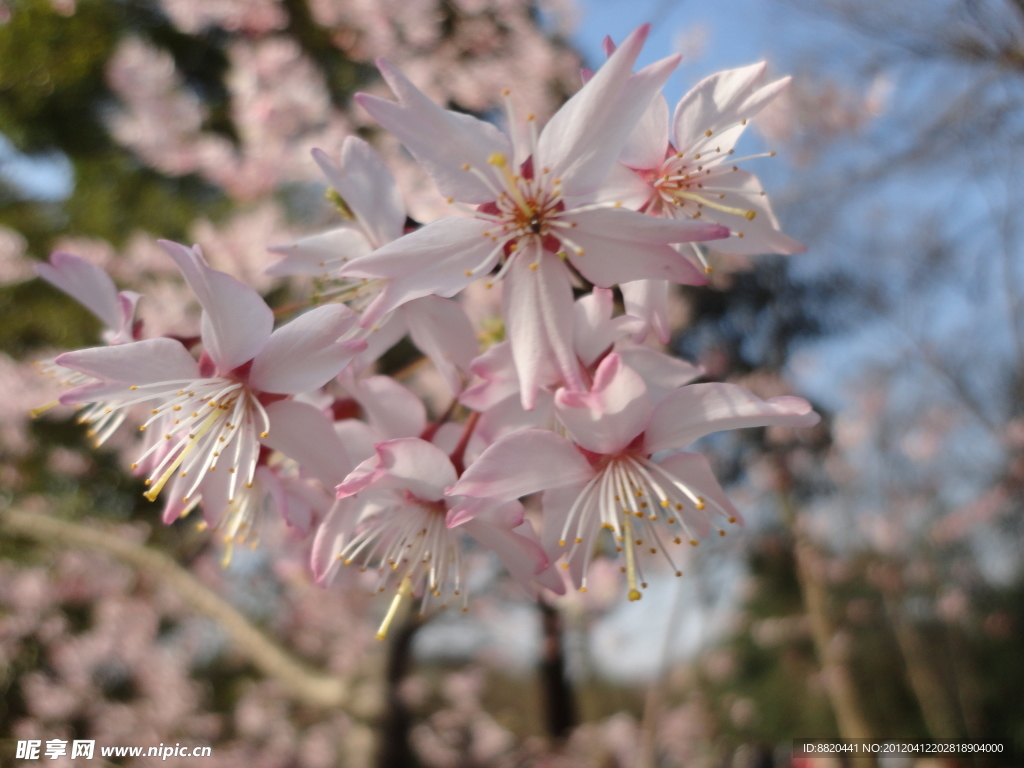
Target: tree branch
(302,683)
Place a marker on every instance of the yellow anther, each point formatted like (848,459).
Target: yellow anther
(664,502)
(498,160)
(465,166)
(561,542)
(133,387)
(677,540)
(468,272)
(749,215)
(693,542)
(264,433)
(533,267)
(634,595)
(707,133)
(577,540)
(732,519)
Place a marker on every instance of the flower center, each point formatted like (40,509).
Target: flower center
(410,540)
(638,501)
(202,424)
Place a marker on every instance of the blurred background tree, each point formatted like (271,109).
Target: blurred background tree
(877,589)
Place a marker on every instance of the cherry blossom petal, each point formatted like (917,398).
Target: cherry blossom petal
(523,463)
(442,141)
(646,145)
(719,104)
(626,187)
(700,409)
(608,417)
(236,322)
(499,381)
(384,334)
(661,373)
(367,187)
(431,260)
(595,330)
(127,301)
(140,362)
(507,514)
(408,464)
(648,300)
(330,538)
(302,433)
(392,409)
(86,283)
(305,354)
(583,139)
(523,557)
(359,439)
(537,300)
(608,261)
(441,330)
(319,255)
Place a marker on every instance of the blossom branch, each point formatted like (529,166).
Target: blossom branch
(302,683)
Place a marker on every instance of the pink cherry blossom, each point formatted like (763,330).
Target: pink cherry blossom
(403,524)
(534,198)
(688,170)
(213,412)
(606,478)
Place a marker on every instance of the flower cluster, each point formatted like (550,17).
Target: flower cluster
(559,394)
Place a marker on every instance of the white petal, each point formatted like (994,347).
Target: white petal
(720,103)
(367,187)
(87,284)
(441,330)
(539,322)
(523,557)
(583,139)
(442,141)
(646,146)
(626,187)
(140,362)
(393,410)
(648,300)
(405,464)
(302,433)
(700,409)
(612,414)
(521,464)
(236,322)
(595,330)
(319,255)
(661,373)
(330,539)
(305,354)
(431,260)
